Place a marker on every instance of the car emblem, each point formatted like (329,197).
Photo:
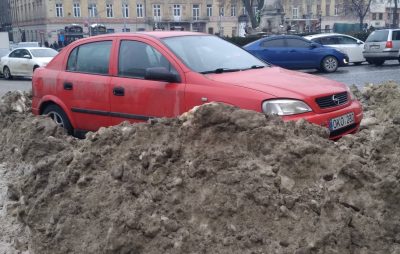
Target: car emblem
(335,100)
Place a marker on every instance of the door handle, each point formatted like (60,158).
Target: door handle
(68,86)
(118,91)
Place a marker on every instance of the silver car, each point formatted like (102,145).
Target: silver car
(382,45)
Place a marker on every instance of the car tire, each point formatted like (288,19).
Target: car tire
(7,73)
(329,64)
(358,63)
(59,117)
(379,62)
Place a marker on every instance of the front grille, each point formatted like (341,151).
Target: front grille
(332,100)
(342,130)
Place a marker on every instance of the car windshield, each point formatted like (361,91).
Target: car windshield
(45,52)
(377,36)
(210,54)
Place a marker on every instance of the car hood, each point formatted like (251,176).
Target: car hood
(282,83)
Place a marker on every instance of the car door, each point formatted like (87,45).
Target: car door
(352,47)
(26,63)
(396,40)
(134,98)
(299,54)
(14,61)
(272,50)
(84,85)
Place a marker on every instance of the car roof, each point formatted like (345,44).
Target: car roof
(29,48)
(325,35)
(156,34)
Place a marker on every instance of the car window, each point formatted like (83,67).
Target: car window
(329,40)
(346,40)
(276,43)
(135,57)
(396,36)
(317,40)
(16,53)
(45,52)
(296,43)
(25,52)
(377,36)
(90,58)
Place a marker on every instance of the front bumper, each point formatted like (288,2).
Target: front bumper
(323,119)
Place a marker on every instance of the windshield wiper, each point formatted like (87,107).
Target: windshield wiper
(220,70)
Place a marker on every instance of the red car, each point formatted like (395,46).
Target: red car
(104,80)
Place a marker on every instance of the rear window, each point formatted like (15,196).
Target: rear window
(275,43)
(378,36)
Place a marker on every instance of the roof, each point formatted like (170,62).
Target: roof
(156,34)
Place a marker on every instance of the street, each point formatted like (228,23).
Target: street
(357,75)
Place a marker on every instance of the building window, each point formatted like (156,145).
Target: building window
(92,10)
(380,16)
(59,10)
(328,10)
(336,10)
(77,10)
(196,11)
(373,16)
(244,12)
(139,10)
(319,9)
(109,10)
(221,11)
(125,10)
(234,31)
(221,31)
(233,10)
(295,13)
(157,12)
(209,10)
(177,10)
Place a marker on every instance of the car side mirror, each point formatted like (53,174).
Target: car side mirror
(161,74)
(360,42)
(314,45)
(27,56)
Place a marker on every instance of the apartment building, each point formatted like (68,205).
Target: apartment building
(45,20)
(382,13)
(315,15)
(5,15)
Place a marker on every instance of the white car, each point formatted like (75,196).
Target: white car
(23,61)
(351,46)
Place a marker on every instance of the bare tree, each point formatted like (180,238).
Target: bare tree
(360,9)
(249,5)
(395,17)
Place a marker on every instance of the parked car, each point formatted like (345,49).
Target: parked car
(23,61)
(351,46)
(382,45)
(295,52)
(25,44)
(106,79)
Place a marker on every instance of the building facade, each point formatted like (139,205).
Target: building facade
(46,20)
(5,16)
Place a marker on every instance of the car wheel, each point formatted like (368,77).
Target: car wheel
(379,62)
(329,64)
(357,63)
(7,73)
(59,117)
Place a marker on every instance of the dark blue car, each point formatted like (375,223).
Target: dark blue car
(295,52)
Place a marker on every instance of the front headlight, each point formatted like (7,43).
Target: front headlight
(284,107)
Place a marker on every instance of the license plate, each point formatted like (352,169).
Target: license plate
(341,121)
(374,47)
